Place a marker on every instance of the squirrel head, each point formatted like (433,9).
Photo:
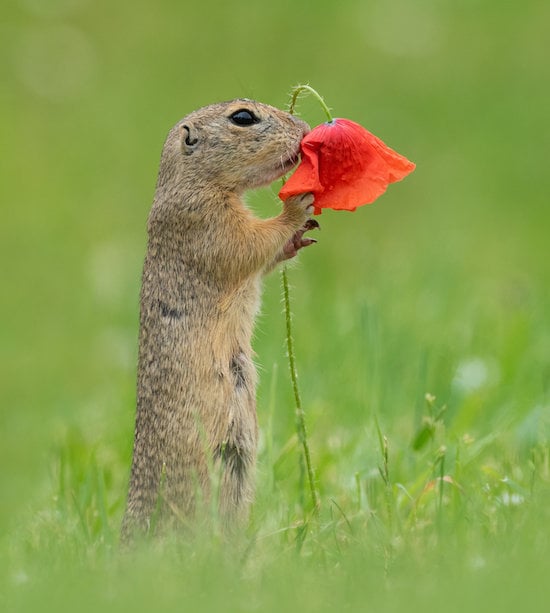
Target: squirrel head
(231,147)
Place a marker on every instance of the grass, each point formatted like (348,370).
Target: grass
(420,324)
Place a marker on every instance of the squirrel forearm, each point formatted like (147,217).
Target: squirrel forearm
(252,245)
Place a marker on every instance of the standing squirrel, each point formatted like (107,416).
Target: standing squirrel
(206,255)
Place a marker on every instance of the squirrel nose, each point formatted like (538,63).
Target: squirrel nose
(301,124)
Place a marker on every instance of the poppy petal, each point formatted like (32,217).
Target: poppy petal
(345,166)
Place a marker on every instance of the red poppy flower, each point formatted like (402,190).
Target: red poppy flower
(344,166)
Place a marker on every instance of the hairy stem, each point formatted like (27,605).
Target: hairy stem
(308,89)
(300,417)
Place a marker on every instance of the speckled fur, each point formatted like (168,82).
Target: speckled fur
(206,254)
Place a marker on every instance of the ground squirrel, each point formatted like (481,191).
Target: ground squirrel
(206,255)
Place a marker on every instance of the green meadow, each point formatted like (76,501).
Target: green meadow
(421,322)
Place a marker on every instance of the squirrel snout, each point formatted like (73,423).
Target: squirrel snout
(301,124)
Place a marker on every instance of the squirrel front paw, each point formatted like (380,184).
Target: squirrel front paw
(299,208)
(298,241)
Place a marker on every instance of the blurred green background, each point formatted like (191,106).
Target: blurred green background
(440,287)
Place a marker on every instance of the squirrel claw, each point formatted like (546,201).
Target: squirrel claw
(298,241)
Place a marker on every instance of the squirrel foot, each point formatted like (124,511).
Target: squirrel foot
(298,241)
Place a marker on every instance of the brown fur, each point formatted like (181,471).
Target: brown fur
(206,255)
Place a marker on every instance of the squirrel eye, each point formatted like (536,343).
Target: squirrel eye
(244,118)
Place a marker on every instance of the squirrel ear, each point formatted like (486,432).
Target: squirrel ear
(189,139)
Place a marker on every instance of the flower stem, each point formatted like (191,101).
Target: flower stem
(300,417)
(307,88)
(301,429)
